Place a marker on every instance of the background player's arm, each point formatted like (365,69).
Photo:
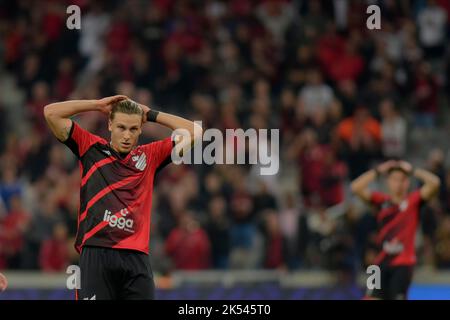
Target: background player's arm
(360,186)
(175,122)
(431,182)
(58,114)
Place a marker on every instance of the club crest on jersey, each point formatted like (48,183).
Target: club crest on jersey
(403,205)
(141,161)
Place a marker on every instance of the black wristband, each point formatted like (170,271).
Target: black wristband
(151,115)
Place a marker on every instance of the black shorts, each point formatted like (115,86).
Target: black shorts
(111,274)
(395,283)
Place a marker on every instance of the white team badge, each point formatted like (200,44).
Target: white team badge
(403,205)
(141,161)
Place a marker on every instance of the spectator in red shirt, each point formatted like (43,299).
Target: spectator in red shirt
(348,65)
(40,98)
(54,253)
(65,82)
(334,172)
(274,250)
(188,245)
(310,156)
(12,228)
(426,96)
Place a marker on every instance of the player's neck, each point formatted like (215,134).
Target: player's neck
(121,154)
(398,198)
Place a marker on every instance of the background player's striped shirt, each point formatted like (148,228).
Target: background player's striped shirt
(115,191)
(397,227)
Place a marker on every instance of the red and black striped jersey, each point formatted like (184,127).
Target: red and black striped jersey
(397,227)
(115,192)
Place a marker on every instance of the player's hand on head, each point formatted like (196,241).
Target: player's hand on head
(384,167)
(406,166)
(145,109)
(105,104)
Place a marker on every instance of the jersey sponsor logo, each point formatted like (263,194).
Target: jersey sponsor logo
(393,247)
(120,222)
(141,161)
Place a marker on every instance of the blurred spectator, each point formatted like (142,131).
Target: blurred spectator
(332,178)
(10,185)
(443,244)
(276,17)
(41,228)
(218,229)
(65,82)
(264,199)
(432,22)
(39,99)
(425,92)
(315,95)
(54,252)
(293,226)
(94,27)
(12,230)
(290,124)
(393,131)
(275,246)
(310,156)
(436,164)
(360,138)
(188,245)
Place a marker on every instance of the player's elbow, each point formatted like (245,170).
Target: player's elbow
(354,188)
(436,183)
(198,132)
(49,111)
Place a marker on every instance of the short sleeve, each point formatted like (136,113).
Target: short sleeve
(160,152)
(415,198)
(377,198)
(80,140)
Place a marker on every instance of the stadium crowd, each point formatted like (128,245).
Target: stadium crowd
(343,97)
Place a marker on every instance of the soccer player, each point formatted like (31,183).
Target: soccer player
(398,220)
(116,192)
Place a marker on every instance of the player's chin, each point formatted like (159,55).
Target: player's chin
(125,147)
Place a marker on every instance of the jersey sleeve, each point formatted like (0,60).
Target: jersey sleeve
(377,198)
(80,140)
(415,198)
(160,152)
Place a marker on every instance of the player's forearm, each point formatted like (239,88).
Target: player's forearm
(429,179)
(360,184)
(175,122)
(67,109)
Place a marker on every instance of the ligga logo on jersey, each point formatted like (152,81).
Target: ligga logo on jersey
(121,222)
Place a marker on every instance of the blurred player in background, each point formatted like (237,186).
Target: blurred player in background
(116,192)
(397,220)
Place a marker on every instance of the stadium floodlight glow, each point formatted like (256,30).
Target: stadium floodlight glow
(232,147)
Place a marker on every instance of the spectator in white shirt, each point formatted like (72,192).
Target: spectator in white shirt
(393,131)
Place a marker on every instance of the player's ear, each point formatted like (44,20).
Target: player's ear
(109,125)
